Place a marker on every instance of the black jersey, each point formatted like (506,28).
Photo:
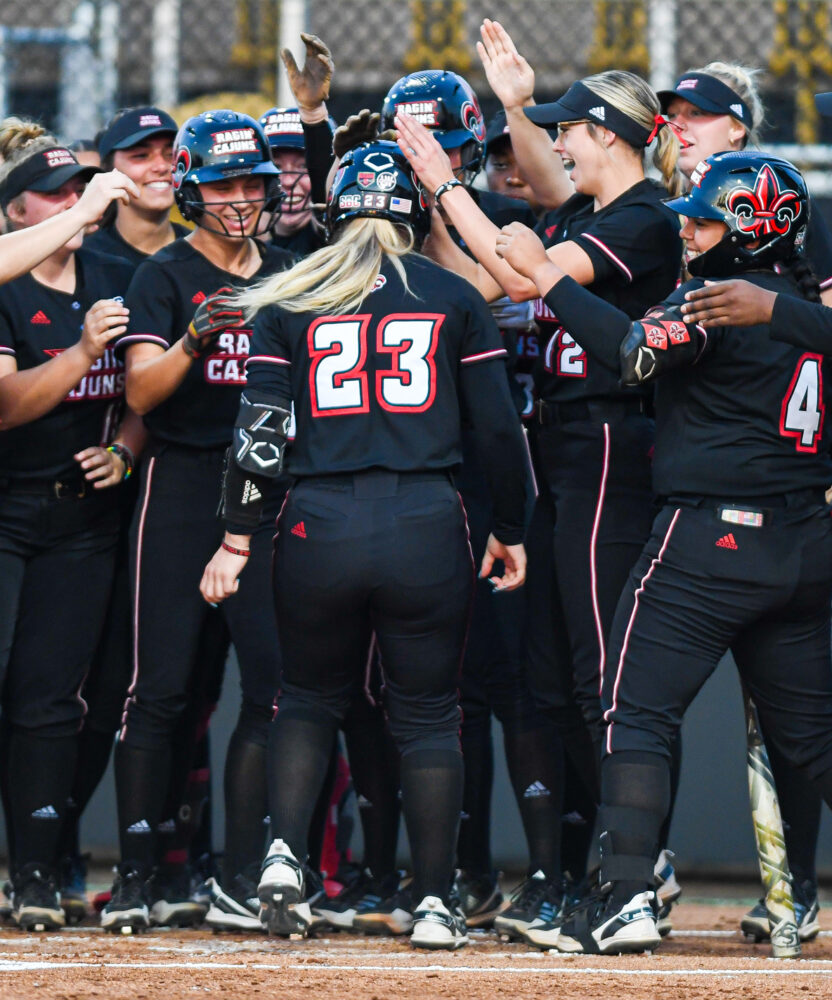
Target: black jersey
(303,242)
(818,245)
(515,320)
(636,253)
(36,324)
(163,297)
(743,417)
(748,419)
(378,388)
(109,240)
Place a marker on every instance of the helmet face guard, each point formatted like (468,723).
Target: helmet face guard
(374,181)
(219,146)
(762,199)
(444,103)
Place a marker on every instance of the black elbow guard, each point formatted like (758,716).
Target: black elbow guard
(656,344)
(260,434)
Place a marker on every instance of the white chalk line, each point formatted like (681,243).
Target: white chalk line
(20,966)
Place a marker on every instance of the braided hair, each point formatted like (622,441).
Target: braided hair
(799,269)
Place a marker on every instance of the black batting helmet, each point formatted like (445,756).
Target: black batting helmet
(218,146)
(760,198)
(374,180)
(444,103)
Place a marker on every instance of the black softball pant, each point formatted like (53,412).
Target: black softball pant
(175,532)
(56,568)
(493,668)
(374,552)
(703,586)
(588,529)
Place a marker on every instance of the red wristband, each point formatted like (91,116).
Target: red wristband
(236,552)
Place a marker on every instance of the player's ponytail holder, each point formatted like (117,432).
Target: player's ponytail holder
(659,123)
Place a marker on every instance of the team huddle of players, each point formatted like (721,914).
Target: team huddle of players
(316,352)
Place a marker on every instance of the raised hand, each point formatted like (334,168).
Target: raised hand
(509,75)
(310,85)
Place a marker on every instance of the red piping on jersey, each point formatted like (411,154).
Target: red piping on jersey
(827,283)
(268,359)
(639,591)
(139,540)
(469,616)
(368,669)
(8,350)
(593,574)
(616,260)
(143,338)
(499,352)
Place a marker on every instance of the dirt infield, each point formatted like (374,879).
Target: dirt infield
(705,957)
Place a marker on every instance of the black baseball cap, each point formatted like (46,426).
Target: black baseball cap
(709,94)
(579,103)
(497,130)
(134,126)
(46,170)
(823,102)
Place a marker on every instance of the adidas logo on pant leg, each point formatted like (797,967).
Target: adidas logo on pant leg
(45,812)
(536,790)
(141,827)
(727,542)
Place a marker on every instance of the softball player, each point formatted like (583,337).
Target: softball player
(591,438)
(374,386)
(493,678)
(295,228)
(61,447)
(715,109)
(739,555)
(139,143)
(185,367)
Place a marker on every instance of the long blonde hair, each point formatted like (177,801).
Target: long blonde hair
(743,81)
(338,277)
(635,98)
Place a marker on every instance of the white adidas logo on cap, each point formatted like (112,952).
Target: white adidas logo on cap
(598,113)
(737,109)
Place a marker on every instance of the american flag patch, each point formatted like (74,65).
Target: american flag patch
(747,518)
(400,204)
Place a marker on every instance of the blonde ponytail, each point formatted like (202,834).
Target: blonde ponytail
(17,133)
(635,98)
(337,278)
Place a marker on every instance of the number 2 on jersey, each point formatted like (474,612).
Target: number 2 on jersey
(338,381)
(802,412)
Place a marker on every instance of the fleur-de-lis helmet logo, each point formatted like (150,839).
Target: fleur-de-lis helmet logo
(766,208)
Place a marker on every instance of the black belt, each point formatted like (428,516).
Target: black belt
(67,488)
(595,410)
(754,512)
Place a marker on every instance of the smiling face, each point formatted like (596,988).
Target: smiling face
(294,179)
(582,154)
(233,206)
(148,165)
(705,133)
(33,207)
(700,235)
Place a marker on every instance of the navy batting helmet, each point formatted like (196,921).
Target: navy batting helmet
(374,180)
(218,146)
(762,200)
(444,103)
